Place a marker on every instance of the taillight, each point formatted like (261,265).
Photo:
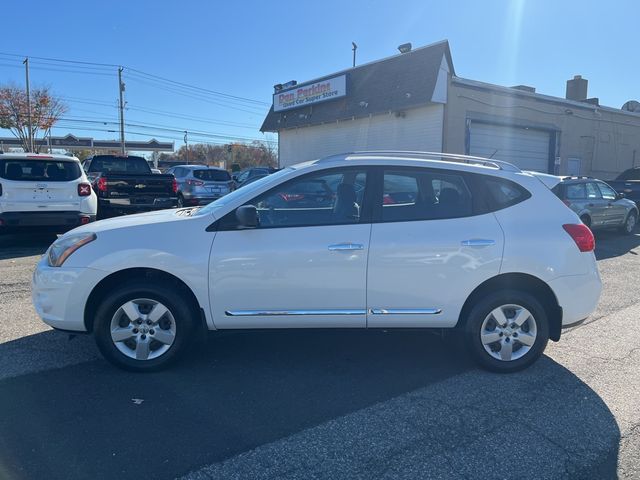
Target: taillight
(84,189)
(101,184)
(84,220)
(174,186)
(582,235)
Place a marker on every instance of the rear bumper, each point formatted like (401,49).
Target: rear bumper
(577,295)
(25,220)
(133,205)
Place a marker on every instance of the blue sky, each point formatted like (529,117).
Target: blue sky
(242,48)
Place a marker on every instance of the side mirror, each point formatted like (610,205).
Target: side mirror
(247,216)
(620,195)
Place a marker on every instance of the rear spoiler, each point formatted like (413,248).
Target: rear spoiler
(548,180)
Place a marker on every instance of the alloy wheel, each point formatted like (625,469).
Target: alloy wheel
(630,224)
(143,329)
(508,332)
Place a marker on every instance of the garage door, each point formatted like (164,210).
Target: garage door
(526,148)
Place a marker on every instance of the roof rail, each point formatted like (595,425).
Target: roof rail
(449,157)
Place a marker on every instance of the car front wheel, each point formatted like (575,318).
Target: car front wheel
(507,331)
(143,326)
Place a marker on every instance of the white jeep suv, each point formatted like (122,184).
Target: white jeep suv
(364,240)
(44,192)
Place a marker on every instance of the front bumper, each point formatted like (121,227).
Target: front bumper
(577,295)
(59,294)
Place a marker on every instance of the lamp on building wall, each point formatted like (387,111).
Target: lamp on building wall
(405,47)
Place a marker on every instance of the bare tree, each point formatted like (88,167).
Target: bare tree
(46,110)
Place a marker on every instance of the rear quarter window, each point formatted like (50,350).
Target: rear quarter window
(501,193)
(39,170)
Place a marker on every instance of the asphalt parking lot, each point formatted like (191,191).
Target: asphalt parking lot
(323,404)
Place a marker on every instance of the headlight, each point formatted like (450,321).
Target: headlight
(65,246)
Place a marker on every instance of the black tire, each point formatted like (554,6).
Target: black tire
(482,309)
(626,228)
(168,295)
(586,220)
(180,201)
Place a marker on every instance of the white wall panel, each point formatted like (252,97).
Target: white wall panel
(419,129)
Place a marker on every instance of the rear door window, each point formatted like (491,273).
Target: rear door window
(410,195)
(592,191)
(212,175)
(39,170)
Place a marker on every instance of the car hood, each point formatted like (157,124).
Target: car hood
(137,220)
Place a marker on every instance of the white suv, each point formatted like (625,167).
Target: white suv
(44,191)
(365,240)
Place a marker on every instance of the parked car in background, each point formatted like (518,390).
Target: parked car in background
(125,184)
(244,176)
(597,204)
(44,191)
(253,179)
(475,245)
(628,182)
(200,184)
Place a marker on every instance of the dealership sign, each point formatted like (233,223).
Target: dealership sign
(302,95)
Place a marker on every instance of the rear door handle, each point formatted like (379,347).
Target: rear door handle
(339,247)
(477,242)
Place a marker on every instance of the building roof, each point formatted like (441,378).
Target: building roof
(395,83)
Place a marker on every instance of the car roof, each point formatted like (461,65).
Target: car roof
(417,159)
(38,156)
(577,179)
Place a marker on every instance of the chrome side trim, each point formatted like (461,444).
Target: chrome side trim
(274,313)
(405,311)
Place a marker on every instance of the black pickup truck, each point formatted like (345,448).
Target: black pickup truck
(125,184)
(628,182)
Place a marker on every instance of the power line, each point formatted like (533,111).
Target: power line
(259,102)
(196,96)
(139,72)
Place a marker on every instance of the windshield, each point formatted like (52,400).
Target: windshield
(113,164)
(212,175)
(40,170)
(246,190)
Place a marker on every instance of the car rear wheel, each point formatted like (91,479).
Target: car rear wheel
(586,220)
(507,331)
(180,201)
(143,326)
(630,223)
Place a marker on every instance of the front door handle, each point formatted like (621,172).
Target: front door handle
(339,247)
(477,242)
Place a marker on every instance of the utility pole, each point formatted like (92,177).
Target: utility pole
(30,127)
(186,145)
(354,47)
(123,149)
